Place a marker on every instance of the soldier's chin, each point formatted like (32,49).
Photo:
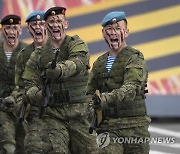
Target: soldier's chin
(115,48)
(38,40)
(11,41)
(57,38)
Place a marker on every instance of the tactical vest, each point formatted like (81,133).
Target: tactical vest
(72,89)
(107,81)
(7,70)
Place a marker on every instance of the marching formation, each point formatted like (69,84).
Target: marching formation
(52,102)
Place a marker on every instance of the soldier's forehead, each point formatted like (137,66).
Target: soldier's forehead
(117,24)
(12,25)
(58,16)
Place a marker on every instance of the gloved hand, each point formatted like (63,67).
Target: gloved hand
(8,104)
(99,101)
(53,73)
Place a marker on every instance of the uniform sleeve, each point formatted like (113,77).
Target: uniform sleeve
(19,67)
(31,77)
(92,83)
(77,61)
(135,79)
(18,74)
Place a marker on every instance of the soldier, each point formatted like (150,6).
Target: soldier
(9,48)
(63,126)
(120,75)
(36,26)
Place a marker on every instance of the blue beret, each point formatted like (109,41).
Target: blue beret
(11,19)
(113,16)
(36,15)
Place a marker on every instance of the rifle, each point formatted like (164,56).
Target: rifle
(97,115)
(45,89)
(24,105)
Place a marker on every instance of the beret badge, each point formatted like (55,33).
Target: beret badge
(11,21)
(114,20)
(38,17)
(53,12)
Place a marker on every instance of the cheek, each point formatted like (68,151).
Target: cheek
(18,32)
(106,36)
(5,33)
(66,24)
(118,33)
(49,28)
(31,30)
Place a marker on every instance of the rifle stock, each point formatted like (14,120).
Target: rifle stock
(97,116)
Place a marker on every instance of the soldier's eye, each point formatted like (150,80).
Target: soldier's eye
(7,27)
(33,24)
(118,28)
(15,27)
(51,21)
(42,23)
(59,21)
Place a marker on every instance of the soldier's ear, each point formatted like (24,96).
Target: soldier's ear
(27,26)
(66,24)
(103,33)
(126,32)
(20,30)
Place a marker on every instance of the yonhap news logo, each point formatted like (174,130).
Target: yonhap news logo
(104,139)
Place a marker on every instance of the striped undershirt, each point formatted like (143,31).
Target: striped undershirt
(8,55)
(109,63)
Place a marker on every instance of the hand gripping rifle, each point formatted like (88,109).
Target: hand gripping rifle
(47,97)
(97,115)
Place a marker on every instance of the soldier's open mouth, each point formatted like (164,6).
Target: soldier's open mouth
(11,39)
(38,35)
(114,40)
(56,32)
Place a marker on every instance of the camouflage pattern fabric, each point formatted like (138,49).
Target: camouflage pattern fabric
(63,128)
(125,141)
(123,88)
(7,85)
(22,58)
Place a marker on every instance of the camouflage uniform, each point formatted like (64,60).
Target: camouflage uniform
(7,127)
(125,114)
(22,58)
(63,125)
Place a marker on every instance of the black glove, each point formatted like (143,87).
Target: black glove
(100,100)
(7,104)
(53,73)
